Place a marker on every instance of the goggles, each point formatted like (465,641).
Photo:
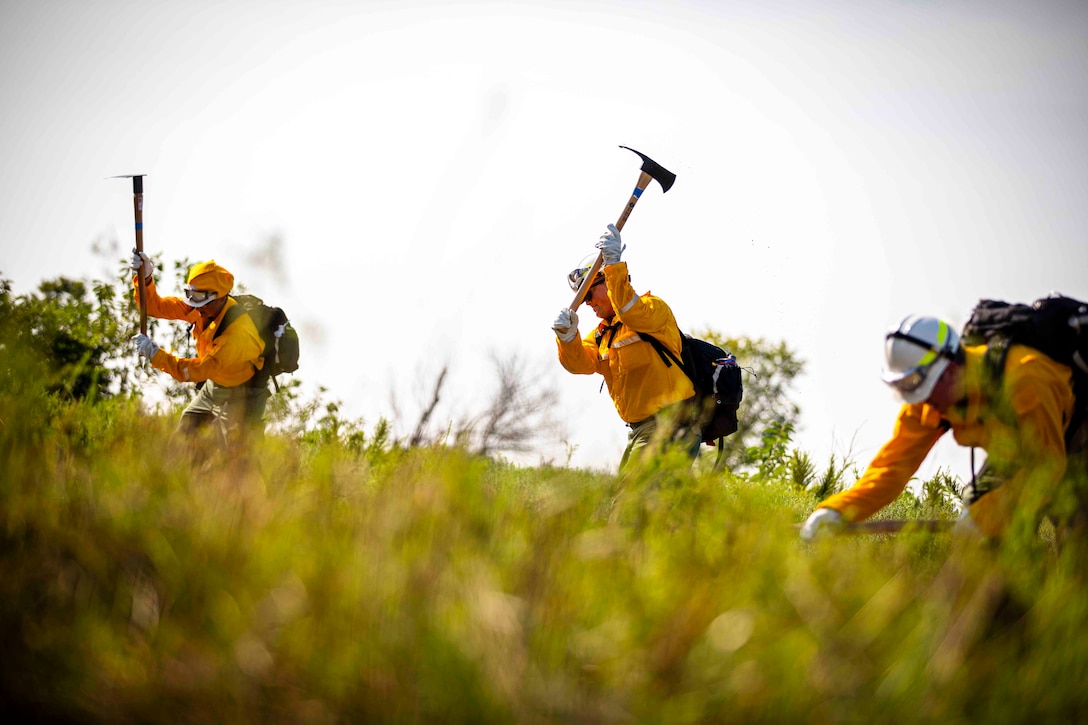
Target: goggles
(911,380)
(574,279)
(198,298)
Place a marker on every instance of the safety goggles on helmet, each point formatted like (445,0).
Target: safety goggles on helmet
(198,298)
(910,380)
(574,279)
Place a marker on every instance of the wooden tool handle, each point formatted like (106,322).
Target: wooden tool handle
(587,281)
(138,207)
(894,526)
(889,526)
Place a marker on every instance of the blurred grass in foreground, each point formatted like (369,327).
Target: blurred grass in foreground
(316,581)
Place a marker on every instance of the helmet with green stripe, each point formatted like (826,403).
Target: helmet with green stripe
(916,353)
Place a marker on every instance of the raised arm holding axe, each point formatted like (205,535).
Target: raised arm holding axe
(651,170)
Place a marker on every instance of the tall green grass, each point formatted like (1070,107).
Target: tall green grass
(324,580)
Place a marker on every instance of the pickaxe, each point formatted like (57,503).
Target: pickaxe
(650,170)
(138,207)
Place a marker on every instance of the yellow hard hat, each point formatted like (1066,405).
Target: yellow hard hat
(207,281)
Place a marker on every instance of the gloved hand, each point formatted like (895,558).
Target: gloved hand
(141,264)
(610,245)
(566,325)
(145,346)
(822,521)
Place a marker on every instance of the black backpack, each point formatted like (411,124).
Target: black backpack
(715,374)
(281,348)
(1056,326)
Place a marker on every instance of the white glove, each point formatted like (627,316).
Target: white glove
(610,245)
(141,264)
(566,325)
(145,346)
(822,521)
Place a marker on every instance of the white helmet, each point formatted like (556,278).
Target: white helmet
(574,279)
(915,355)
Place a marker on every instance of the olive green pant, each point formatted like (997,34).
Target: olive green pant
(669,430)
(235,412)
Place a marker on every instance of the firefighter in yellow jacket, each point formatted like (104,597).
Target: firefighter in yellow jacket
(226,359)
(1021,417)
(649,396)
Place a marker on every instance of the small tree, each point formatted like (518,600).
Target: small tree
(73,332)
(769,371)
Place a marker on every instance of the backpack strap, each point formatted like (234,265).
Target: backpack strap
(611,329)
(997,353)
(667,356)
(236,310)
(993,364)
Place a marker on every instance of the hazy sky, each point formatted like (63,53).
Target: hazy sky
(434,169)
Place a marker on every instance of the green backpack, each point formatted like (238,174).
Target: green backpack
(281,348)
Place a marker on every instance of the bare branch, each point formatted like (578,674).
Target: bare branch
(425,417)
(516,415)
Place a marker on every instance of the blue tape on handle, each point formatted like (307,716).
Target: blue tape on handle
(637,192)
(140,226)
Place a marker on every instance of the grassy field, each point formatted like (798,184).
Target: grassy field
(329,580)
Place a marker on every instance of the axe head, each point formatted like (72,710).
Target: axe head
(656,171)
(137,181)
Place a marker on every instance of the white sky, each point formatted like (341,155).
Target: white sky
(436,168)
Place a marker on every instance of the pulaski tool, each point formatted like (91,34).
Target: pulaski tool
(650,170)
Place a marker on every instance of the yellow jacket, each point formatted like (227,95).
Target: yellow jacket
(229,360)
(638,380)
(1039,396)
